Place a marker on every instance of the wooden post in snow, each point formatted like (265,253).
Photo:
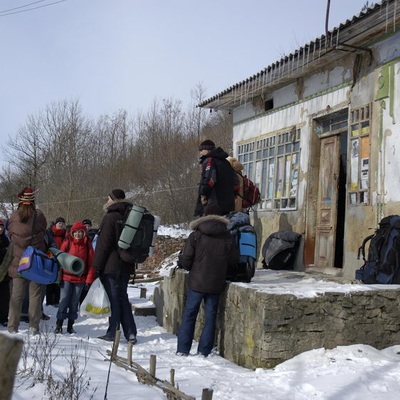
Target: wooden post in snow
(10,350)
(207,394)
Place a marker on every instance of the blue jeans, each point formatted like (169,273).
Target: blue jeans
(116,287)
(186,330)
(69,300)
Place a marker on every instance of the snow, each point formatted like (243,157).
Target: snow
(346,372)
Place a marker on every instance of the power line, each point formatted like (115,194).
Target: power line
(26,5)
(6,12)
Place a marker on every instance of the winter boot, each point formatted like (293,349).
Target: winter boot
(70,328)
(59,326)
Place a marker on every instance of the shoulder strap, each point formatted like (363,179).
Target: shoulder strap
(33,228)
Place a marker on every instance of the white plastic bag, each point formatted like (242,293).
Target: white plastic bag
(96,303)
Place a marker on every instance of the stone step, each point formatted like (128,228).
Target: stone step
(144,310)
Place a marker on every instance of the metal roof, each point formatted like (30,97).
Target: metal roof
(352,35)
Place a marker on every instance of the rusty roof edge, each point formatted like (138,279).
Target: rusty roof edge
(296,53)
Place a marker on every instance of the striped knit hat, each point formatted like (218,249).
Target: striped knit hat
(27,196)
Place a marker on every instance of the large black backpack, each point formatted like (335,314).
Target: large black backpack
(383,262)
(135,247)
(280,249)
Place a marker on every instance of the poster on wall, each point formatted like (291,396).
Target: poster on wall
(355,151)
(364,173)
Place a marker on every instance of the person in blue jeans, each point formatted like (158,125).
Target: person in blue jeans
(113,272)
(207,252)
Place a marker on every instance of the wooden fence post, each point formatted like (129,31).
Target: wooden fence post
(207,394)
(153,361)
(143,292)
(10,350)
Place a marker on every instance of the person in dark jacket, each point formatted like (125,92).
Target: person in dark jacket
(27,227)
(115,273)
(206,255)
(218,180)
(5,282)
(58,234)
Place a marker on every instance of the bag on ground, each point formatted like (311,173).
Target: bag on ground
(382,264)
(38,266)
(280,249)
(96,303)
(138,235)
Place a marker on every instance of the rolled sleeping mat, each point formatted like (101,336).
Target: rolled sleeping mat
(69,262)
(131,226)
(157,221)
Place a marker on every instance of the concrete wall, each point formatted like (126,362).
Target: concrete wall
(261,329)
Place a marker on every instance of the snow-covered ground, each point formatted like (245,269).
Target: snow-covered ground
(346,372)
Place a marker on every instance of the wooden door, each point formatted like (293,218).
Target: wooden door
(327,202)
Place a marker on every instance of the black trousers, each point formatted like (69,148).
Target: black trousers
(4,299)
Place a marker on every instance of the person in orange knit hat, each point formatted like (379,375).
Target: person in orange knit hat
(27,227)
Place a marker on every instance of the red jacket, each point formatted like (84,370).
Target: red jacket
(83,249)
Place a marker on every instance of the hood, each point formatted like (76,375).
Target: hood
(116,205)
(210,225)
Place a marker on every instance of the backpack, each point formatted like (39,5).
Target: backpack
(383,262)
(251,193)
(246,241)
(280,250)
(138,235)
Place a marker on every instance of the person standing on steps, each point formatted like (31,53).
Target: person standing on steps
(218,180)
(113,272)
(78,245)
(206,255)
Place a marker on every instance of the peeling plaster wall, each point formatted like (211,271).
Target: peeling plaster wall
(314,96)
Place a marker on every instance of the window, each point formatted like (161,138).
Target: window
(272,163)
(360,120)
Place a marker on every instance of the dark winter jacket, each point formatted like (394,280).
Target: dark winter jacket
(207,253)
(218,180)
(106,258)
(4,243)
(21,236)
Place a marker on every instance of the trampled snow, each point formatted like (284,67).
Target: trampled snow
(346,372)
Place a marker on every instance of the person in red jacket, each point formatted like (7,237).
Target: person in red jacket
(78,245)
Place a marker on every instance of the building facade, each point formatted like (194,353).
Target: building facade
(318,132)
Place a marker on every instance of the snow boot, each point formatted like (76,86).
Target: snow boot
(59,326)
(70,328)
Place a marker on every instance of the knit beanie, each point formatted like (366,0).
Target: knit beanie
(117,194)
(27,196)
(60,219)
(207,145)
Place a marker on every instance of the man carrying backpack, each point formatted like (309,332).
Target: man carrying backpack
(207,253)
(218,180)
(113,272)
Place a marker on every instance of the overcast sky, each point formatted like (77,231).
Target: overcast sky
(123,54)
